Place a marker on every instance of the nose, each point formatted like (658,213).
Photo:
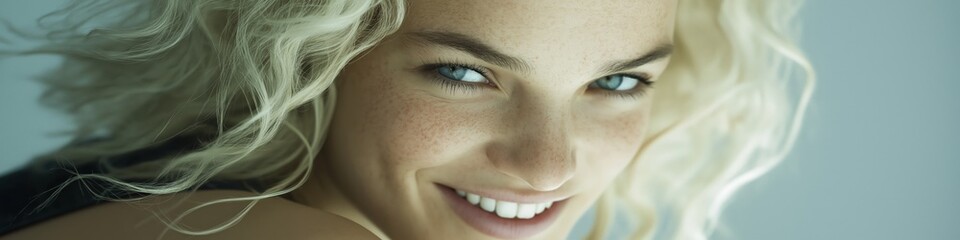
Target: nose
(538,148)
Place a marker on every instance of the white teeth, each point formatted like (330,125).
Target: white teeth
(526,211)
(488,204)
(473,198)
(505,209)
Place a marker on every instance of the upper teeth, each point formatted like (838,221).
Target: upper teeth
(505,209)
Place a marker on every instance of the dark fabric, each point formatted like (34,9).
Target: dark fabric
(24,189)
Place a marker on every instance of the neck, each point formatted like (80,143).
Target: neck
(319,192)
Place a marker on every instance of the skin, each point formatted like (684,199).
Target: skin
(397,132)
(273,218)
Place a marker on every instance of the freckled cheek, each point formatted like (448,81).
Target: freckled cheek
(412,130)
(616,139)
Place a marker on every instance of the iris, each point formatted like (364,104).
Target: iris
(459,73)
(616,83)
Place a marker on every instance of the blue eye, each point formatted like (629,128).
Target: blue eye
(463,74)
(617,82)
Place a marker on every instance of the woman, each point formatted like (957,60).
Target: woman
(419,119)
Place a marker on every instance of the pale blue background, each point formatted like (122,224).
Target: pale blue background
(879,158)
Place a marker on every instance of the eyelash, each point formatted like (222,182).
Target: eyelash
(640,90)
(456,86)
(466,88)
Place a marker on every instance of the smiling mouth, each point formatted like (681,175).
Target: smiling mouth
(502,219)
(505,209)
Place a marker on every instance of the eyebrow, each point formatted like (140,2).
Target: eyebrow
(487,53)
(474,47)
(661,51)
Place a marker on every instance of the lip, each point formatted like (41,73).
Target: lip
(490,224)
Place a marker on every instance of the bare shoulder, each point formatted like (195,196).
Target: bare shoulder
(273,218)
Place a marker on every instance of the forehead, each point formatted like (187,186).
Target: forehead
(591,30)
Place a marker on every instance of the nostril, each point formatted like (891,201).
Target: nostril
(550,181)
(542,165)
(546,174)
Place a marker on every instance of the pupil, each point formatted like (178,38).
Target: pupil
(453,72)
(458,72)
(611,82)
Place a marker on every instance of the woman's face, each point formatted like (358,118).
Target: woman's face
(519,105)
